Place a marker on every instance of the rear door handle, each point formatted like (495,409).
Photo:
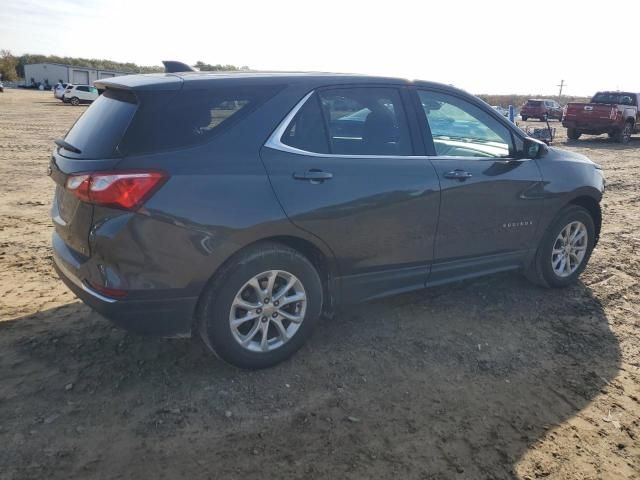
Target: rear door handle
(314,175)
(458,175)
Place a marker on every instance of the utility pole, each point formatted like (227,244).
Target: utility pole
(562,85)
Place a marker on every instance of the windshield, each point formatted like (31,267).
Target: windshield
(619,98)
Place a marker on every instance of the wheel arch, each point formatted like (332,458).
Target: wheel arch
(592,205)
(319,256)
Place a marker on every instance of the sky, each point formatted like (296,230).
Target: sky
(488,46)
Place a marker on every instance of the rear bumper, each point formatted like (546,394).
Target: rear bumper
(154,316)
(590,127)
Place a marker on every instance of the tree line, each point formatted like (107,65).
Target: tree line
(12,67)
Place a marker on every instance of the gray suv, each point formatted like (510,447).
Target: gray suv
(241,207)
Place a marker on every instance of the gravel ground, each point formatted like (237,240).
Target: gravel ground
(488,379)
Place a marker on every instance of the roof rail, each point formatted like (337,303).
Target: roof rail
(171,66)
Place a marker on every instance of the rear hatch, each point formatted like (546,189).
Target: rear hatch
(91,145)
(532,107)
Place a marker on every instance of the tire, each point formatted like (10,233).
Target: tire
(75,101)
(542,271)
(524,118)
(231,285)
(624,136)
(544,118)
(573,134)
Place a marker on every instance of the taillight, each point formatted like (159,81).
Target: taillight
(126,190)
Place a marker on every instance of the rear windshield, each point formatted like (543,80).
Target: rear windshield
(121,123)
(97,132)
(534,103)
(618,98)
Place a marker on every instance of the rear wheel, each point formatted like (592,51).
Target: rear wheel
(544,118)
(524,118)
(573,134)
(624,135)
(75,101)
(262,307)
(565,249)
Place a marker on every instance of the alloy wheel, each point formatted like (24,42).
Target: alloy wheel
(268,311)
(569,249)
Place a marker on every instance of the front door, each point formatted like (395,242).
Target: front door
(490,201)
(344,170)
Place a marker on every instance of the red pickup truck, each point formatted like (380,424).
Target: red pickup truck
(615,113)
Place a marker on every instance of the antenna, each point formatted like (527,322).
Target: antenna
(561,85)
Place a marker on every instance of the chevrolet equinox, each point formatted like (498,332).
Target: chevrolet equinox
(240,207)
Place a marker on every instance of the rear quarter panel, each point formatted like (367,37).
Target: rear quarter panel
(217,200)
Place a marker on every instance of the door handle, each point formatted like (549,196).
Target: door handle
(458,175)
(314,175)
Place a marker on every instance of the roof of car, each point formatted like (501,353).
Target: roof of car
(176,81)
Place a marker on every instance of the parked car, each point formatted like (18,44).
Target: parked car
(59,90)
(542,109)
(77,94)
(614,113)
(501,110)
(241,207)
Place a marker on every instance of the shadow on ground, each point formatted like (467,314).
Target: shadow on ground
(454,382)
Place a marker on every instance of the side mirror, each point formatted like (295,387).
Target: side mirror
(533,148)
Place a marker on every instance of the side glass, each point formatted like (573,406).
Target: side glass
(366,121)
(460,129)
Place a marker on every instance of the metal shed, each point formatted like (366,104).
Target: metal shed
(50,73)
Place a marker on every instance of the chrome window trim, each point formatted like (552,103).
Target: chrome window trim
(275,140)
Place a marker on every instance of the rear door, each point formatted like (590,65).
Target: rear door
(343,167)
(490,201)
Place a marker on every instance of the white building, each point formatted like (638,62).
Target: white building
(52,72)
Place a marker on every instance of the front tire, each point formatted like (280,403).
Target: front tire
(565,249)
(261,307)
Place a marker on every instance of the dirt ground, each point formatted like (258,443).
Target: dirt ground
(488,379)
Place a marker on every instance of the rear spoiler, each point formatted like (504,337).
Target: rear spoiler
(171,66)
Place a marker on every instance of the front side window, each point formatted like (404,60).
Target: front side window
(460,129)
(365,121)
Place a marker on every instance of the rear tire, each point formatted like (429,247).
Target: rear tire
(544,118)
(524,118)
(573,134)
(624,136)
(268,337)
(547,269)
(75,101)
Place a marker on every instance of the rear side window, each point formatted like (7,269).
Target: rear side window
(99,130)
(307,131)
(169,120)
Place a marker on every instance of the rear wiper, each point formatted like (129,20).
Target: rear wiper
(61,142)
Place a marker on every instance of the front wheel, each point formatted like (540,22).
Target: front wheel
(261,307)
(565,249)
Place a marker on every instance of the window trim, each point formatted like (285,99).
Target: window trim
(275,140)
